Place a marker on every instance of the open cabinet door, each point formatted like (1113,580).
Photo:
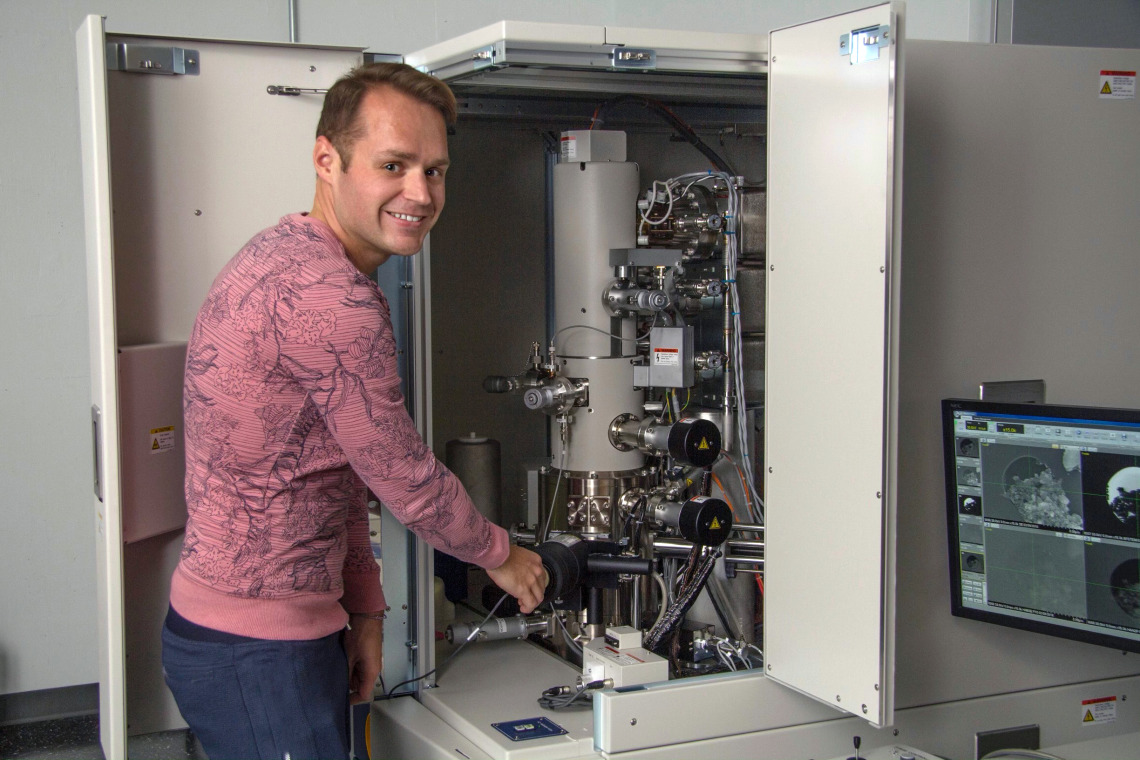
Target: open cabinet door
(834,163)
(186,148)
(93,123)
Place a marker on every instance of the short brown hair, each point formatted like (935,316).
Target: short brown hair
(339,121)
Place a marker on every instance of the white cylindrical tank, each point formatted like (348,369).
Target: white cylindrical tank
(594,205)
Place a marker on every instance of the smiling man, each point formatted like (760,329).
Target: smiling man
(292,410)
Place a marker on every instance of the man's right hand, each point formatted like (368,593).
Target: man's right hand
(523,577)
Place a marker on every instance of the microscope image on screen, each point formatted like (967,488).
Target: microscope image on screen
(1112,494)
(969,476)
(1125,583)
(1033,485)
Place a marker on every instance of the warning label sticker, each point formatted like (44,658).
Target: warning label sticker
(1118,85)
(669,357)
(1102,710)
(161,439)
(569,147)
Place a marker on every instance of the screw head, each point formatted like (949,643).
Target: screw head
(312,68)
(633,721)
(197,212)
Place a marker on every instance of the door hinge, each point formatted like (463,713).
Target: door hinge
(152,59)
(864,44)
(634,58)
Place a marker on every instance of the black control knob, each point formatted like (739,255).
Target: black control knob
(564,559)
(705,520)
(694,441)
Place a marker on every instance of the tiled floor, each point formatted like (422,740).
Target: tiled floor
(78,739)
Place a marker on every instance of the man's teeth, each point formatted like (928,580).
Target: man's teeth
(406,217)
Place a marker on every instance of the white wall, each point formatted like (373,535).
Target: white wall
(47,559)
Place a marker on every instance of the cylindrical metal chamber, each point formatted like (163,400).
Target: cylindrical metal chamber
(593,212)
(587,502)
(477,462)
(611,393)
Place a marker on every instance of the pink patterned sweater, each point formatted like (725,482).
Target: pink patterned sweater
(292,406)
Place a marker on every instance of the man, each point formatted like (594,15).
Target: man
(292,407)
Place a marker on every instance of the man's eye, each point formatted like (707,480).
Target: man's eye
(391,167)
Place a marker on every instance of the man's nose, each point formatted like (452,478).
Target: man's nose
(416,188)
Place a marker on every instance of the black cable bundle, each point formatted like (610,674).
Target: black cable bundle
(685,599)
(564,697)
(682,129)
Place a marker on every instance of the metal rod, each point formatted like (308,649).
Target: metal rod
(747,528)
(292,20)
(745,544)
(745,561)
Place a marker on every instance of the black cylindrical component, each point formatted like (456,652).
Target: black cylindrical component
(595,606)
(564,559)
(608,563)
(497,384)
(694,441)
(705,520)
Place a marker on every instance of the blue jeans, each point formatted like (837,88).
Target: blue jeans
(261,699)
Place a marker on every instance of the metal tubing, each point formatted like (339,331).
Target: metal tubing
(745,544)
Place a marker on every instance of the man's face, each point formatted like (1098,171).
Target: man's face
(392,191)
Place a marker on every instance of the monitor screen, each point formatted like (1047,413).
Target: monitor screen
(1042,515)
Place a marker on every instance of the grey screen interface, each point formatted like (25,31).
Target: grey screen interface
(1047,530)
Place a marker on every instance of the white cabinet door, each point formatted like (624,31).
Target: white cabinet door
(190,166)
(834,130)
(91,56)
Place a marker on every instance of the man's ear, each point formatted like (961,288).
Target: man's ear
(326,159)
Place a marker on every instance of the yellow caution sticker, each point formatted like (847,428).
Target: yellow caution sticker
(162,439)
(1099,710)
(1117,85)
(715,525)
(1106,90)
(704,445)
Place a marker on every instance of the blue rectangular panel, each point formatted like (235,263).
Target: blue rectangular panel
(529,728)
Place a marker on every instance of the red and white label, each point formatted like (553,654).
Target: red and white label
(1118,85)
(1095,711)
(569,147)
(667,357)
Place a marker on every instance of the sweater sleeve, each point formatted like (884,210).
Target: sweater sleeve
(335,339)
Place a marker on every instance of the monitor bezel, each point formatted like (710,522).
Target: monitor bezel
(949,456)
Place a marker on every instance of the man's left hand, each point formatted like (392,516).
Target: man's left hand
(364,644)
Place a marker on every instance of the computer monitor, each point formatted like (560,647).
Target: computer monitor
(1042,517)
